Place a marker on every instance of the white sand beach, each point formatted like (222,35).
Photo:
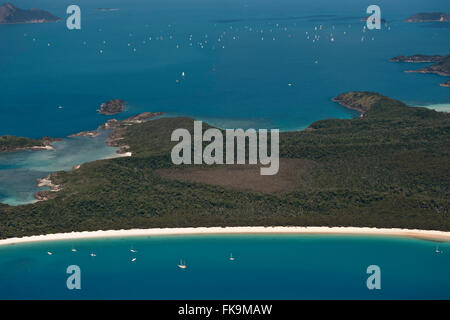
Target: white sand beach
(408,233)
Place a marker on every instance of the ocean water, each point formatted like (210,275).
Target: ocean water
(265,267)
(20,169)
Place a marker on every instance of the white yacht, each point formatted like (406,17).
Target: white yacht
(182,265)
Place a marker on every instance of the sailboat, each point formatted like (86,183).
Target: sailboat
(182,265)
(437,250)
(231,257)
(133,250)
(133,260)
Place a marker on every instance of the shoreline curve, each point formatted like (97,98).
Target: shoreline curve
(395,232)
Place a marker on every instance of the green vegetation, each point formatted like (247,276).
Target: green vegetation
(390,168)
(9,143)
(417,58)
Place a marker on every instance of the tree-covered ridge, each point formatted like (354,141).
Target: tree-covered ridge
(417,58)
(10,143)
(390,168)
(359,101)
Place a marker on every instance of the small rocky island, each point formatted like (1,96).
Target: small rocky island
(10,14)
(446,84)
(429,17)
(112,107)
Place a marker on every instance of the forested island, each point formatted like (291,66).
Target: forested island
(10,14)
(429,17)
(388,169)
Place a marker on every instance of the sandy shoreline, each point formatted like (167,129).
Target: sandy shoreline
(406,233)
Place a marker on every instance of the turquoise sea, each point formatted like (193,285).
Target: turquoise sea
(265,267)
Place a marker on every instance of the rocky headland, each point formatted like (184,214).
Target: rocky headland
(9,14)
(440,66)
(358,100)
(429,17)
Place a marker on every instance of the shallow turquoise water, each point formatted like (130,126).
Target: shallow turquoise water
(266,267)
(20,169)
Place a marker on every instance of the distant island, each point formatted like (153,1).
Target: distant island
(9,14)
(12,143)
(112,107)
(363,19)
(107,9)
(440,66)
(429,17)
(418,58)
